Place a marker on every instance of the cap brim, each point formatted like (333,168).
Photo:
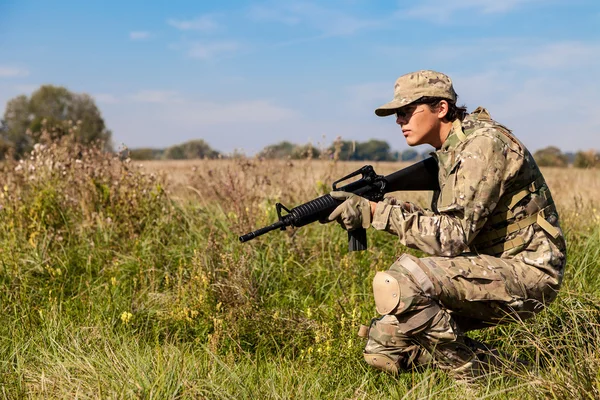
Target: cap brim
(388,109)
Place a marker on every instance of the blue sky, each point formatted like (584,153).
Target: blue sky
(245,74)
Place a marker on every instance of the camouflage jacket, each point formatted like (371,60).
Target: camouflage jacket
(492,200)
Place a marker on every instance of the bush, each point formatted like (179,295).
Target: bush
(194,149)
(550,157)
(587,159)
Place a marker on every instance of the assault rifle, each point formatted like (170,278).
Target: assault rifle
(419,176)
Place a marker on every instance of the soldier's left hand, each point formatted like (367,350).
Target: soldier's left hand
(353,213)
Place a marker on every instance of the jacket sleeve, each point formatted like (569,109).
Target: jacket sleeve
(468,196)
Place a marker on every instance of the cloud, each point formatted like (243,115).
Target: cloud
(155,96)
(205,23)
(442,11)
(329,21)
(139,35)
(561,55)
(211,50)
(246,112)
(12,72)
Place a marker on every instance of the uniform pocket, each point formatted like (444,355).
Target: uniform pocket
(481,285)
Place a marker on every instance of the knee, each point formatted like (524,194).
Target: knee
(403,288)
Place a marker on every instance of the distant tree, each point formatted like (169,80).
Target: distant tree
(279,150)
(409,155)
(306,151)
(193,149)
(146,153)
(587,159)
(550,157)
(57,111)
(374,150)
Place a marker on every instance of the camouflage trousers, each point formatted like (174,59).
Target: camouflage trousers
(427,304)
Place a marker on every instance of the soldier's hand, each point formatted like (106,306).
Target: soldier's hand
(355,212)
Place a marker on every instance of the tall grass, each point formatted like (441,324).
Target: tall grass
(121,281)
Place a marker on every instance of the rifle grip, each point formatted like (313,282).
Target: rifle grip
(357,240)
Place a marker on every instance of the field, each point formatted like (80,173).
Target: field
(120,280)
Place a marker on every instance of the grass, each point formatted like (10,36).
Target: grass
(124,282)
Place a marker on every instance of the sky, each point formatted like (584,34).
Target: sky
(246,74)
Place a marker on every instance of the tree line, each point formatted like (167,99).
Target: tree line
(54,111)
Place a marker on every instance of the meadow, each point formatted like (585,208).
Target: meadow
(127,280)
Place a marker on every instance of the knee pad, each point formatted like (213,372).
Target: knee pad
(381,361)
(393,293)
(402,286)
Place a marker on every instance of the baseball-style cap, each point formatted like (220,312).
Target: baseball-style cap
(413,86)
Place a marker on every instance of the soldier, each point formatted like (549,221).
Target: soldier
(497,251)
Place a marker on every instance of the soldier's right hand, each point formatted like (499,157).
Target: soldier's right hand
(355,212)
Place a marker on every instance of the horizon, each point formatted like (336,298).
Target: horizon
(250,74)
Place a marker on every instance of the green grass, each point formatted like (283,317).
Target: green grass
(116,291)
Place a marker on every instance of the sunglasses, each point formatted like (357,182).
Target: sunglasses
(405,113)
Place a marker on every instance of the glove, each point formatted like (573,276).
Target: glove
(353,213)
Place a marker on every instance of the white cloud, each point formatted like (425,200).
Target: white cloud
(329,21)
(444,11)
(264,13)
(12,72)
(156,96)
(205,23)
(246,112)
(561,55)
(210,50)
(139,35)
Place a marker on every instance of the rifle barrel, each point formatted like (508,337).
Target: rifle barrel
(262,231)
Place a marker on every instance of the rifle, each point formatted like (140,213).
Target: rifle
(419,176)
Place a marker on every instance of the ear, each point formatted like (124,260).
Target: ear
(442,109)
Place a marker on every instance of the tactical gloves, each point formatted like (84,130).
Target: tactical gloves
(353,213)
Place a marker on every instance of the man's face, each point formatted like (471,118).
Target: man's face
(419,124)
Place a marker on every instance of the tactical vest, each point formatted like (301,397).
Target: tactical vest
(530,203)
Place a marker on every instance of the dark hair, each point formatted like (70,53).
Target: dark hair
(454,111)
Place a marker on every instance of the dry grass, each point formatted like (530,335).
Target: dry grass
(572,189)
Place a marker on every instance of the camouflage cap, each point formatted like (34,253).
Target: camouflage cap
(413,86)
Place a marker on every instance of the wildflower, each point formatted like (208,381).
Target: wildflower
(113,281)
(126,317)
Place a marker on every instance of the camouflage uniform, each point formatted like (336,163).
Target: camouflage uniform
(497,251)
